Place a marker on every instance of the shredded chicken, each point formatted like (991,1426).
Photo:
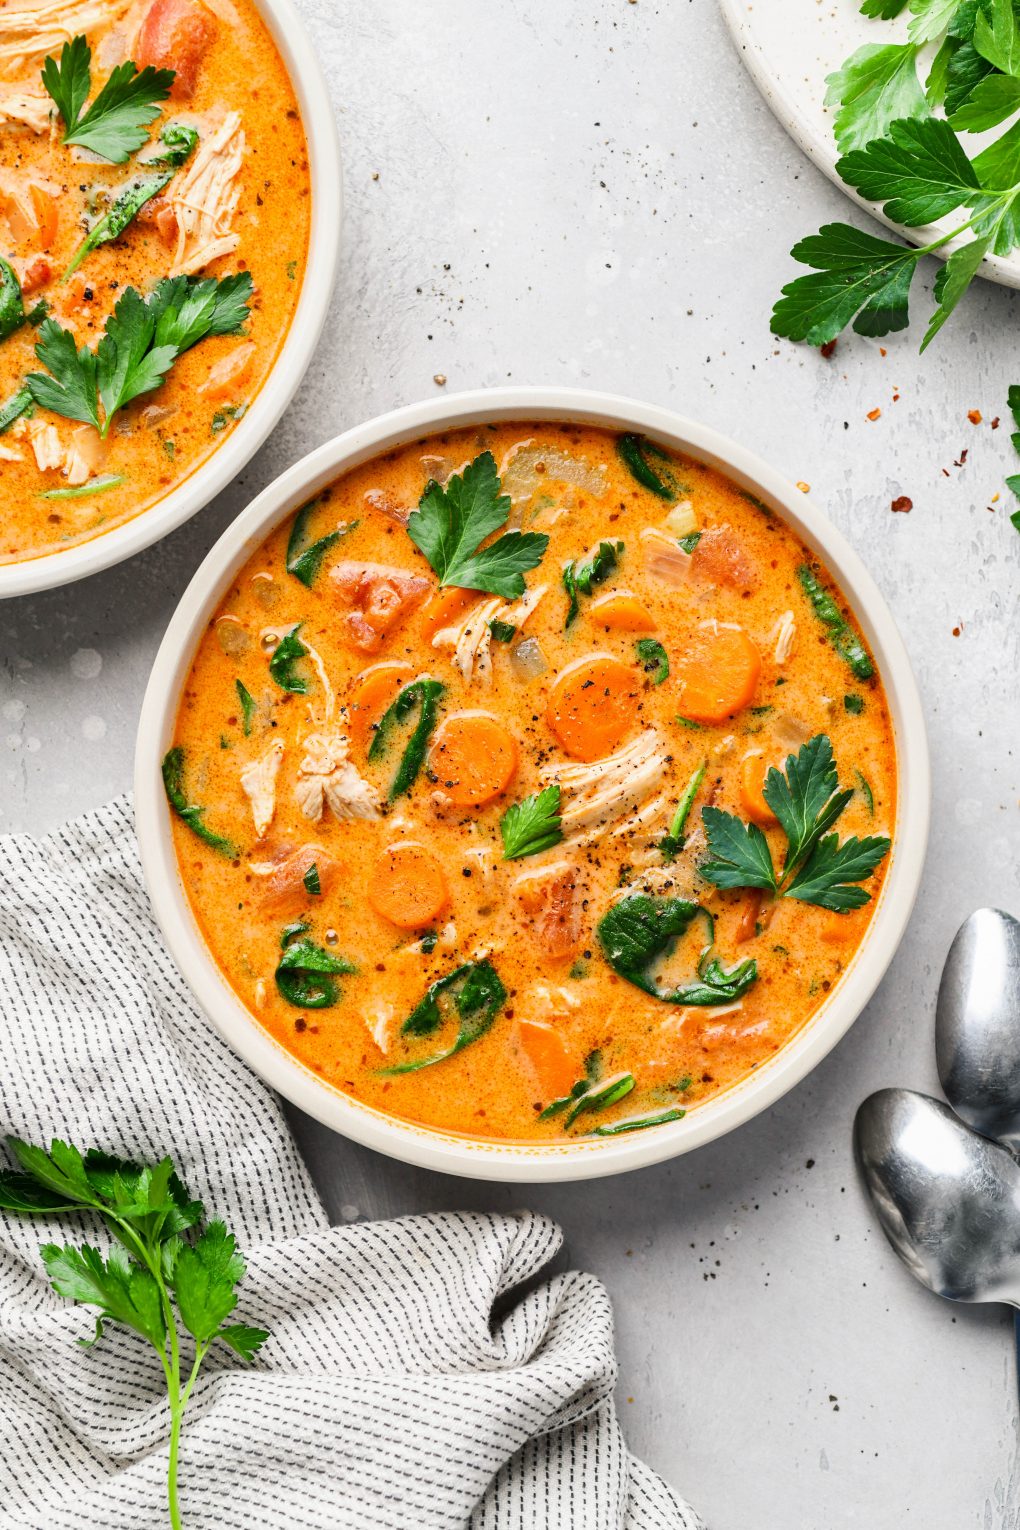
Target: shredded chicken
(326,778)
(599,794)
(10,454)
(783,634)
(45,443)
(258,781)
(82,455)
(664,559)
(470,639)
(378,1016)
(28,33)
(23,106)
(204,199)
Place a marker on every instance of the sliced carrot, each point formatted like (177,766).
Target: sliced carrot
(752,779)
(622,611)
(31,213)
(718,672)
(443,608)
(373,691)
(407,886)
(546,1052)
(474,758)
(593,705)
(750,908)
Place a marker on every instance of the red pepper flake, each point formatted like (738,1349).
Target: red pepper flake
(995,423)
(902,503)
(958,630)
(945,472)
(895,398)
(882,351)
(962,458)
(828,349)
(974,416)
(873,414)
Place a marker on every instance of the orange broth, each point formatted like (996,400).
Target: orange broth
(411,893)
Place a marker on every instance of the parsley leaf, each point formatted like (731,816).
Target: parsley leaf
(163,1272)
(451,523)
(857,278)
(919,171)
(874,87)
(997,36)
(115,125)
(532,825)
(142,339)
(12,308)
(807,801)
(930,18)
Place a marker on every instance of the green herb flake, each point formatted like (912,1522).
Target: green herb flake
(503,632)
(281,666)
(580,578)
(853,704)
(313,884)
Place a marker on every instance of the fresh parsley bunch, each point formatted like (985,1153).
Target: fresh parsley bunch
(141,340)
(897,153)
(817,868)
(166,1274)
(451,523)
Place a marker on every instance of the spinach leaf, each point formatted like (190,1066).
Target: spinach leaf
(12,309)
(423,693)
(173,785)
(638,1123)
(503,632)
(312,881)
(654,657)
(672,843)
(18,404)
(281,666)
(125,208)
(841,635)
(306,975)
(304,558)
(579,578)
(179,141)
(249,706)
(476,993)
(635,932)
(634,452)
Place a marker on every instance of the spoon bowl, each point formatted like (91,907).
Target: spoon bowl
(977,1025)
(948,1200)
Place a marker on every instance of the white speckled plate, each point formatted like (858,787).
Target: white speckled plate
(789,46)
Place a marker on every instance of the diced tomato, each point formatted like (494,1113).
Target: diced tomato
(551,901)
(37,273)
(375,598)
(159,212)
(175,35)
(720,559)
(287,878)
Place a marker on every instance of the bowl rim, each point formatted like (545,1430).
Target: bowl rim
(425,1146)
(51,570)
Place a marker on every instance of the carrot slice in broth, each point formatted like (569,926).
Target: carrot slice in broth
(547,1055)
(623,612)
(593,705)
(443,608)
(374,689)
(752,780)
(718,672)
(408,886)
(474,758)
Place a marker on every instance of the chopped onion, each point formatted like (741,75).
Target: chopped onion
(266,590)
(528,660)
(528,468)
(682,520)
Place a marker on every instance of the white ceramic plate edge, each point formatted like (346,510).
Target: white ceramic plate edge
(301,61)
(820,146)
(424,1146)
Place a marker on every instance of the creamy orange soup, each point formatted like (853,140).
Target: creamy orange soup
(465,853)
(222,166)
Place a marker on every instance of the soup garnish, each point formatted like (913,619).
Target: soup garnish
(518,790)
(153,223)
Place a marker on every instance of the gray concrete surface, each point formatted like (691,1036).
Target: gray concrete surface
(591,191)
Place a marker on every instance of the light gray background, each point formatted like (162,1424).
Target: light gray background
(592,192)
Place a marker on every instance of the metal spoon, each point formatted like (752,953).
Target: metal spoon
(977,1025)
(948,1200)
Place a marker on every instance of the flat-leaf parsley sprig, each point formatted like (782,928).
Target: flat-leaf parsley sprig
(896,153)
(142,339)
(817,868)
(115,125)
(166,1274)
(451,523)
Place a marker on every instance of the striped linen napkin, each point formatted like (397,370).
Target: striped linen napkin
(389,1393)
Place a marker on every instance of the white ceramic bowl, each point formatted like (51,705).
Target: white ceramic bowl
(445,1151)
(111,547)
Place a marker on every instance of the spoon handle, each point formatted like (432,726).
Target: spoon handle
(1016,1342)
